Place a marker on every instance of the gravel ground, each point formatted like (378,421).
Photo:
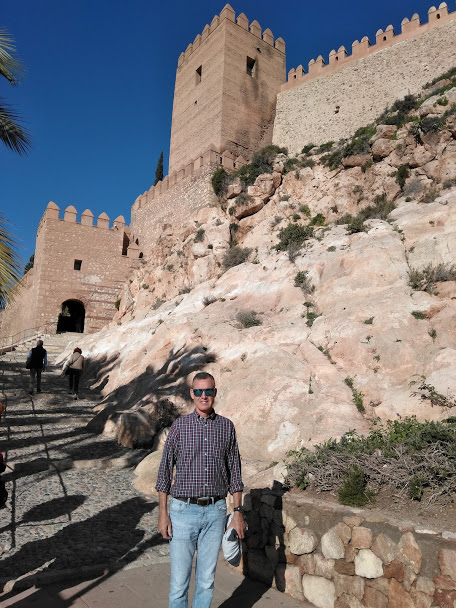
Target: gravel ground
(58,517)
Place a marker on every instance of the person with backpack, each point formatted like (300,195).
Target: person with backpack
(73,368)
(36,363)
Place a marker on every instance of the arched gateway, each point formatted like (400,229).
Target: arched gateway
(71,317)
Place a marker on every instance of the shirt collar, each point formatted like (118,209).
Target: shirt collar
(211,417)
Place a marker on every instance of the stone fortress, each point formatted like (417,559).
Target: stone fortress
(231,98)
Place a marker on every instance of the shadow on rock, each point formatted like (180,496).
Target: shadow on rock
(152,386)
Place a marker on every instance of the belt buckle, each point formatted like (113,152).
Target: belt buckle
(203,499)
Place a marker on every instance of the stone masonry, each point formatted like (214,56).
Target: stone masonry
(226,86)
(331,102)
(105,259)
(338,557)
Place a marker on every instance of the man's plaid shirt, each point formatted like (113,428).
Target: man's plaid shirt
(206,456)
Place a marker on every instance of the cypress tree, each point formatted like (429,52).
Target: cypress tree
(159,170)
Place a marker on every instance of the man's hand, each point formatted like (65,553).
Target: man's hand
(164,525)
(238,523)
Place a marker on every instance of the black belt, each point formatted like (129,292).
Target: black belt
(203,501)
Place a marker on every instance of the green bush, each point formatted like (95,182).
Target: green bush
(333,160)
(248,319)
(353,491)
(293,234)
(416,487)
(117,304)
(208,300)
(360,141)
(399,112)
(403,456)
(445,76)
(262,162)
(243,199)
(326,147)
(311,317)
(220,181)
(356,225)
(425,279)
(402,174)
(304,209)
(307,148)
(432,124)
(419,315)
(379,210)
(290,164)
(302,280)
(318,220)
(307,162)
(235,256)
(357,395)
(199,235)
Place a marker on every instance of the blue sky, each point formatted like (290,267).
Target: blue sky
(97,95)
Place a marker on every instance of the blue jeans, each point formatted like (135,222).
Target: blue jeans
(193,527)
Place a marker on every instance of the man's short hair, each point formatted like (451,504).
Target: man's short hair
(203,376)
(39,343)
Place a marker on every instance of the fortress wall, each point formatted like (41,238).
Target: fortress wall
(20,313)
(99,281)
(106,262)
(331,107)
(173,206)
(217,104)
(249,101)
(197,107)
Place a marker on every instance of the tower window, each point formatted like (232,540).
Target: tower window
(77,264)
(199,74)
(250,67)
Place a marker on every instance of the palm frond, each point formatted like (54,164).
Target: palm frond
(10,267)
(11,67)
(12,134)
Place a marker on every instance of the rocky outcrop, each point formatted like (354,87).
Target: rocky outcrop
(282,379)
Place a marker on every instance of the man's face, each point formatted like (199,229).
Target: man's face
(204,403)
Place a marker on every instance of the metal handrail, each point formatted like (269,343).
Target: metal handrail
(26,334)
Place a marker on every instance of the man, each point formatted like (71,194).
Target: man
(36,363)
(203,447)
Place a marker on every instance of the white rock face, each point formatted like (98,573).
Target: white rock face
(282,382)
(367,564)
(319,591)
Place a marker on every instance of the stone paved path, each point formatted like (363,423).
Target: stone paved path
(64,509)
(73,513)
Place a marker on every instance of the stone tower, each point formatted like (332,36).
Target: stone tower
(226,87)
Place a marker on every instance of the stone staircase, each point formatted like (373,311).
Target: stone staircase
(55,344)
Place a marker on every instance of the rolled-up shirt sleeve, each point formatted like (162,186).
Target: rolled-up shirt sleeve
(165,471)
(234,465)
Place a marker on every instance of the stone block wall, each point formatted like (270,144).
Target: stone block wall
(337,557)
(331,102)
(217,103)
(105,259)
(20,314)
(171,206)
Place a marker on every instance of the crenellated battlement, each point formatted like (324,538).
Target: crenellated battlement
(211,157)
(228,13)
(70,215)
(383,39)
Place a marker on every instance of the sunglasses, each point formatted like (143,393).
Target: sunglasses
(199,391)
